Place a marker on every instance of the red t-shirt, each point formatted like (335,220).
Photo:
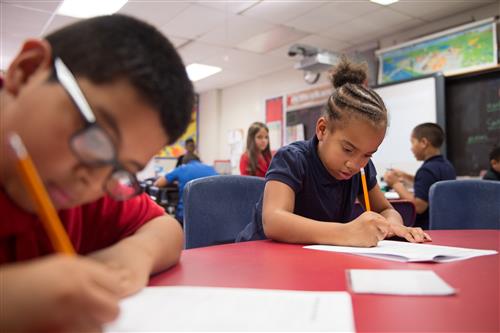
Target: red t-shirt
(262,165)
(90,227)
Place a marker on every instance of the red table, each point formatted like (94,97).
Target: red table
(271,265)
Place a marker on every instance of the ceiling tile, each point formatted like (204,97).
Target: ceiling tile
(197,52)
(193,22)
(157,13)
(324,43)
(58,22)
(234,7)
(47,6)
(235,29)
(271,39)
(430,10)
(385,17)
(280,11)
(177,41)
(245,62)
(22,21)
(333,13)
(351,31)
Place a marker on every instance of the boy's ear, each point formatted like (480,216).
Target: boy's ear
(425,142)
(321,127)
(35,55)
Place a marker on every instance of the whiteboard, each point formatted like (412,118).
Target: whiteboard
(409,104)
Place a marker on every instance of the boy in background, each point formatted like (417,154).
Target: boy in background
(191,169)
(493,172)
(190,148)
(426,141)
(93,102)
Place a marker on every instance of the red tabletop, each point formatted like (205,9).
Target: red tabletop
(272,265)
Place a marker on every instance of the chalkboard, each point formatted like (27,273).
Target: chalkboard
(472,120)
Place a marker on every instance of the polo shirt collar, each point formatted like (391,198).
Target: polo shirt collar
(319,168)
(435,157)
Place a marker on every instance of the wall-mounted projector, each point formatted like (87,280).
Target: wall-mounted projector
(313,62)
(317,63)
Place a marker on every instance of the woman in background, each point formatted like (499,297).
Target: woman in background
(257,157)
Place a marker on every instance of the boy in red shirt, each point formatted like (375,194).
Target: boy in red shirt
(93,102)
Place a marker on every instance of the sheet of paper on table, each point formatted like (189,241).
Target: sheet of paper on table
(398,282)
(410,252)
(233,309)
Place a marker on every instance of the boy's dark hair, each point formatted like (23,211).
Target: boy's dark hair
(432,132)
(108,48)
(189,140)
(351,96)
(495,154)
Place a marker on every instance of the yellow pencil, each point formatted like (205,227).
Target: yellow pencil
(365,190)
(46,211)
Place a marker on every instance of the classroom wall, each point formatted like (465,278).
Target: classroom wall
(240,105)
(237,107)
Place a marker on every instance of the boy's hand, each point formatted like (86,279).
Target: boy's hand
(413,235)
(391,177)
(59,293)
(367,229)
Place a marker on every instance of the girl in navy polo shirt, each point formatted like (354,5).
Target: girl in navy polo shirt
(311,186)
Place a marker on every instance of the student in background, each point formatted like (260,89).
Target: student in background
(89,124)
(191,169)
(190,151)
(257,157)
(426,141)
(311,186)
(493,172)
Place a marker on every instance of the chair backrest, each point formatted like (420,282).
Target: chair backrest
(217,208)
(464,204)
(404,207)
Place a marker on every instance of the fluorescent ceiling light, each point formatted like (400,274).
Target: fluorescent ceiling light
(197,72)
(89,8)
(384,2)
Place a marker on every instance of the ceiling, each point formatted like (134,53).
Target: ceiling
(247,39)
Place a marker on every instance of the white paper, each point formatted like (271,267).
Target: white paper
(391,195)
(398,282)
(405,251)
(233,309)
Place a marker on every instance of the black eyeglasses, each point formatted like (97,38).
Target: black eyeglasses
(92,145)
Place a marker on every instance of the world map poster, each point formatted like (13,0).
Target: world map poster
(453,51)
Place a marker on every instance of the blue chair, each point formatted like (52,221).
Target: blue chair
(464,204)
(404,207)
(217,208)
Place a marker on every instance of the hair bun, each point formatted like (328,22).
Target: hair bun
(348,72)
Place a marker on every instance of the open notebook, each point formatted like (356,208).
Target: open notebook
(410,252)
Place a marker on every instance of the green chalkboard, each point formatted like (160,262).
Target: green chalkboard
(472,119)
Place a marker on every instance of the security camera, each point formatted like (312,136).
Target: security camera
(303,50)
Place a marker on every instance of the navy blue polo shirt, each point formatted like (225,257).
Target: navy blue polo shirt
(318,195)
(434,169)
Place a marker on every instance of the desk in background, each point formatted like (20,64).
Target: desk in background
(271,265)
